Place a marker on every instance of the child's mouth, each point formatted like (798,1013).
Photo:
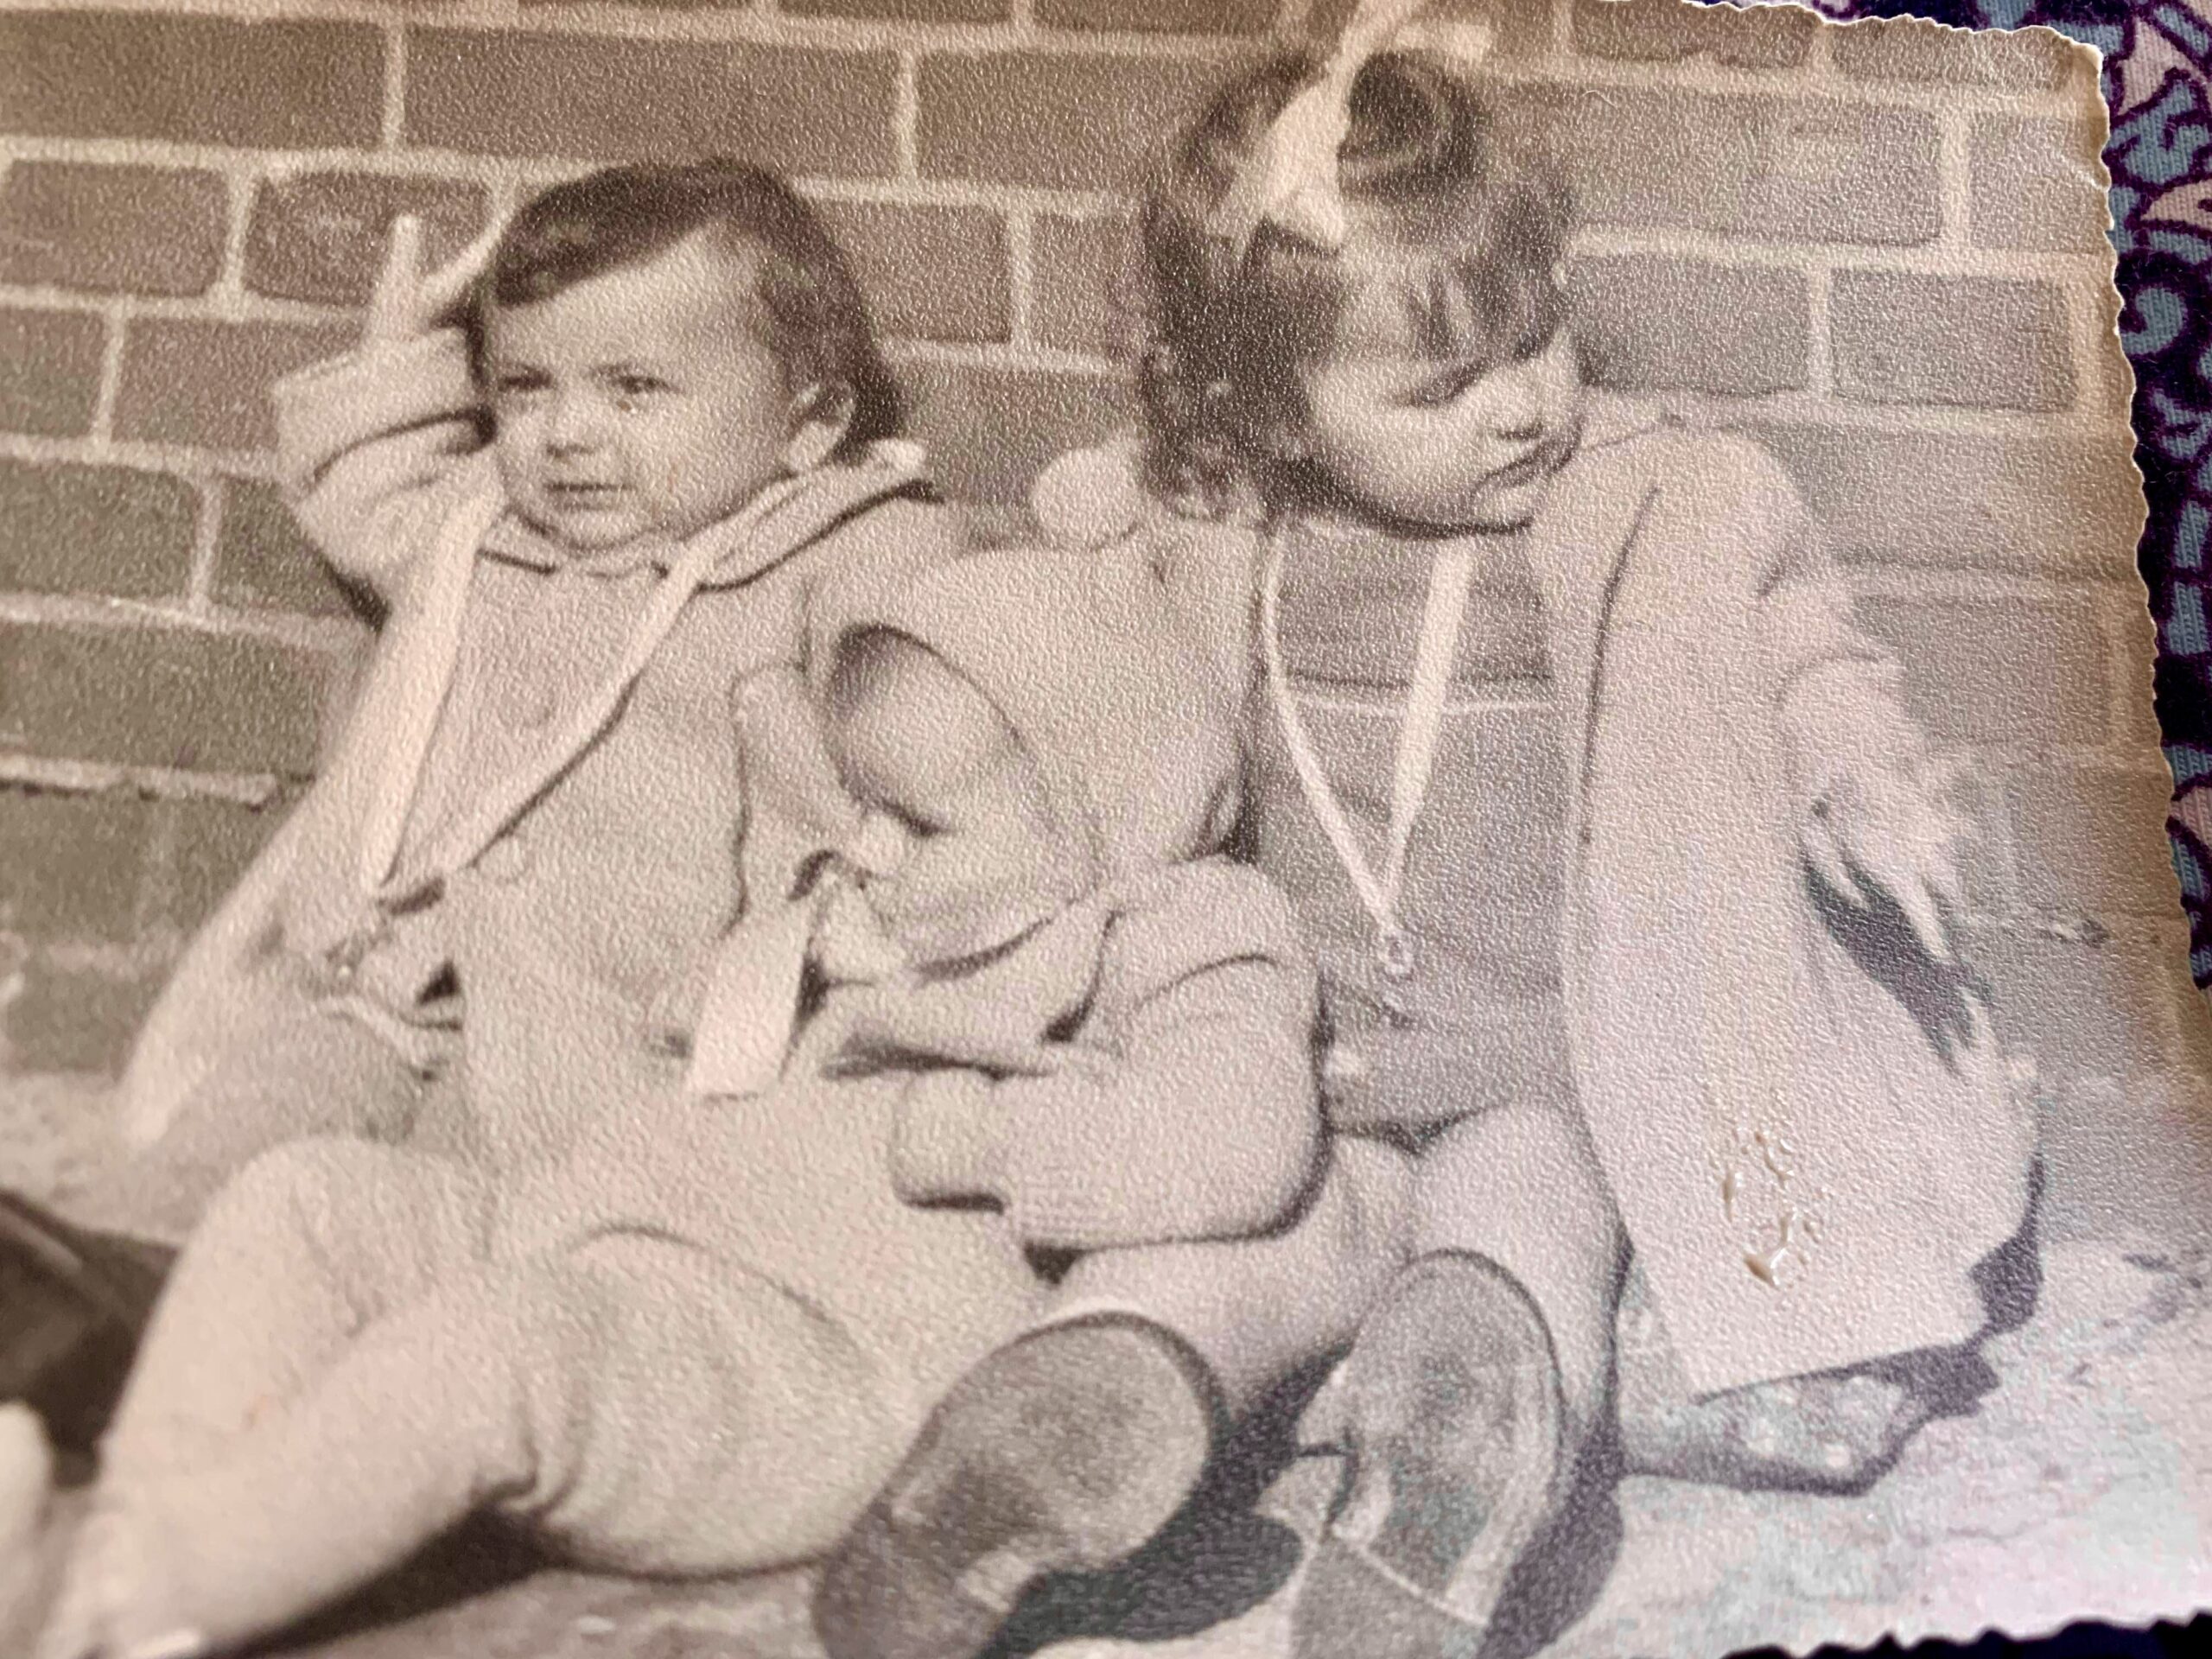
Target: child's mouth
(1540,462)
(583,497)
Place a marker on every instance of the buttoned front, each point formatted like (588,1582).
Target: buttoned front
(553,743)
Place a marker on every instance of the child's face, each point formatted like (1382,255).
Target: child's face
(926,754)
(1440,442)
(639,401)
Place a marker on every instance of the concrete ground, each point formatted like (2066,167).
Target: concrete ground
(2080,1487)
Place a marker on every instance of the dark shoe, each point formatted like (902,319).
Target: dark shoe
(1063,1452)
(1456,1431)
(73,1304)
(1836,1433)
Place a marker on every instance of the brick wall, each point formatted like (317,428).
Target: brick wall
(1880,248)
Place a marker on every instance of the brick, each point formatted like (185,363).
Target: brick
(1648,323)
(1899,338)
(2025,672)
(144,230)
(1058,123)
(1908,49)
(74,1019)
(53,383)
(1520,29)
(803,111)
(2127,1155)
(1160,16)
(1752,37)
(204,383)
(903,11)
(71,866)
(2037,185)
(2082,1010)
(1952,500)
(1082,273)
(100,530)
(2137,638)
(1988,860)
(196,80)
(989,431)
(321,236)
(2092,840)
(1787,169)
(160,697)
(263,562)
(209,845)
(929,273)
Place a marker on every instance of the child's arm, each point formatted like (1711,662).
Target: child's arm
(1203,1124)
(361,438)
(1873,815)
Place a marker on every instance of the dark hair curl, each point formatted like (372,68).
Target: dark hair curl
(1466,228)
(809,308)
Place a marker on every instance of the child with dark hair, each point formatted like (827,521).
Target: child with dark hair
(1629,879)
(626,450)
(984,953)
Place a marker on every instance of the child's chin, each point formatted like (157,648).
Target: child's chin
(592,532)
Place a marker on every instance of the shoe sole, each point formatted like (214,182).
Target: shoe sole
(1066,1451)
(1413,1568)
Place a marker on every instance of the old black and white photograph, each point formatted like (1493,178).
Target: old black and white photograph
(915,828)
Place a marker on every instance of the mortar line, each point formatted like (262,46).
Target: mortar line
(1819,358)
(1020,277)
(1954,181)
(906,116)
(110,381)
(206,537)
(394,123)
(69,777)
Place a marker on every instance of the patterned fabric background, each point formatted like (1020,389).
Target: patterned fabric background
(2157,65)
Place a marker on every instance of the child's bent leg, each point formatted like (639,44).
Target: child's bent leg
(1256,1310)
(312,1242)
(1521,1188)
(1470,1392)
(1069,1448)
(637,1402)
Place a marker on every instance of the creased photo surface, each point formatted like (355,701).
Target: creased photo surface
(905,829)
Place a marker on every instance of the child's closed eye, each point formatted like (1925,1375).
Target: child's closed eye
(637,387)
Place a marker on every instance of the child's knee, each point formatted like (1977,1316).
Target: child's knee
(683,1418)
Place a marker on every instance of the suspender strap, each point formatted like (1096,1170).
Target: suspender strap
(1421,727)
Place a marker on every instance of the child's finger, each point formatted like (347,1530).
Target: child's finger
(391,311)
(443,288)
(1945,875)
(1925,918)
(1822,853)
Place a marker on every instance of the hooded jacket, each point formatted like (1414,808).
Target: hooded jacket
(1135,1066)
(538,787)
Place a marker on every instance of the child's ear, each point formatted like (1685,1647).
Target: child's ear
(820,417)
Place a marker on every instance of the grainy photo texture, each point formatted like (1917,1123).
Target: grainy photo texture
(906,829)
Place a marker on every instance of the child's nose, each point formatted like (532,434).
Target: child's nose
(1521,403)
(574,424)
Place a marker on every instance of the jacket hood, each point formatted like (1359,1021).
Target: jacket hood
(1103,681)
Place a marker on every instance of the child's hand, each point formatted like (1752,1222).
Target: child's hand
(406,302)
(850,945)
(1880,828)
(672,1017)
